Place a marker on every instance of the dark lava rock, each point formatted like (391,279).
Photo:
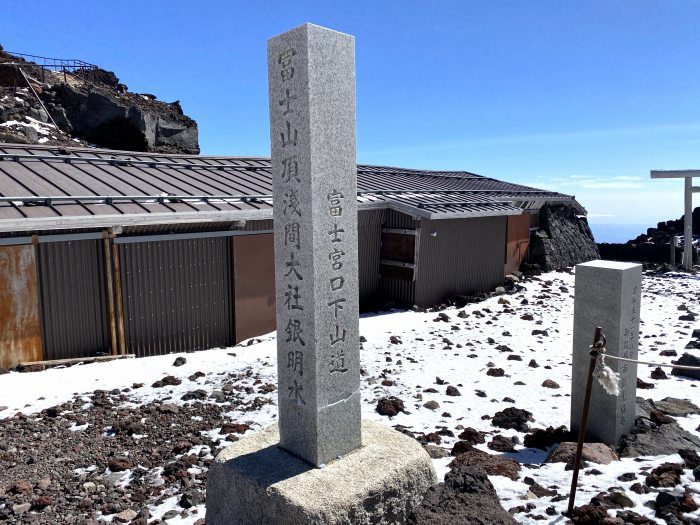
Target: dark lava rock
(191,498)
(120,464)
(466,497)
(167,381)
(180,361)
(590,515)
(670,508)
(542,492)
(234,428)
(198,394)
(395,340)
(495,372)
(687,360)
(514,418)
(649,439)
(672,406)
(452,391)
(658,373)
(628,476)
(431,405)
(690,457)
(492,464)
(533,364)
(472,436)
(665,475)
(660,418)
(545,438)
(643,385)
(126,121)
(460,447)
(548,383)
(633,518)
(390,406)
(501,444)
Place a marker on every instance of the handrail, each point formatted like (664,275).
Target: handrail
(73,64)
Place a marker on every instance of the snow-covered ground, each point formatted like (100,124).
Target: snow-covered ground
(458,351)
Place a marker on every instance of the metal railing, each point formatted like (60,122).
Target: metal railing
(79,68)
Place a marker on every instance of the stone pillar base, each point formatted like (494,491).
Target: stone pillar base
(255,482)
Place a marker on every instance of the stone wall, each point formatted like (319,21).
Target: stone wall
(564,239)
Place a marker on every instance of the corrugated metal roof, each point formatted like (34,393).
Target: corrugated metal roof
(50,187)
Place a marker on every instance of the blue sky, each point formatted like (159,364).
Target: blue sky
(580,97)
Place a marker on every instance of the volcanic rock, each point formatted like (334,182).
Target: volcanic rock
(467,497)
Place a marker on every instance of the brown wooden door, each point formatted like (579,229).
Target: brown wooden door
(254,285)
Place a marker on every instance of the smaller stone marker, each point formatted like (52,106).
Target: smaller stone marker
(608,295)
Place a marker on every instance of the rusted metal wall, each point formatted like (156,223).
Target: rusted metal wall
(517,241)
(254,285)
(177,295)
(20,328)
(399,291)
(369,226)
(458,256)
(73,299)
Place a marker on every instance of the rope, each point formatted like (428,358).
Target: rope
(681,367)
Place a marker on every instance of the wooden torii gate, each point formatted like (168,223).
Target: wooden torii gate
(688,213)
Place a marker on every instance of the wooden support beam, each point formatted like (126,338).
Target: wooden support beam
(75,360)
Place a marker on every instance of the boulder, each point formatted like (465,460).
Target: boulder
(687,359)
(493,465)
(592,452)
(651,439)
(512,418)
(467,497)
(127,122)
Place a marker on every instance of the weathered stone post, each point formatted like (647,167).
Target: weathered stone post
(371,474)
(311,76)
(607,294)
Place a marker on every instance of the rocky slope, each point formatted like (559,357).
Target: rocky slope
(92,108)
(654,246)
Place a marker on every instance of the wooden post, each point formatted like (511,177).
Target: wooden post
(110,293)
(118,291)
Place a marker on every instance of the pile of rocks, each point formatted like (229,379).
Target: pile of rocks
(98,111)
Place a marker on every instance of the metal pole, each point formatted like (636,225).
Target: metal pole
(595,351)
(688,225)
